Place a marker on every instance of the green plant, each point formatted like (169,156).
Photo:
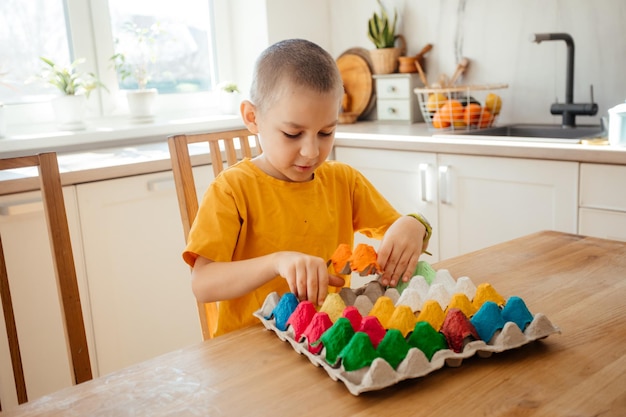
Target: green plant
(380,31)
(228,87)
(69,80)
(140,54)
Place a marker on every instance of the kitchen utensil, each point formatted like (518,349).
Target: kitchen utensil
(424,51)
(420,70)
(355,68)
(406,64)
(460,69)
(443,81)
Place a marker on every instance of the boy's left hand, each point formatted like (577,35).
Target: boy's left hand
(400,250)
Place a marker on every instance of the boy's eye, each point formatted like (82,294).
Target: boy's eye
(291,136)
(326,134)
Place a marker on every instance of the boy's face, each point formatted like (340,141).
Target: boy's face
(296,132)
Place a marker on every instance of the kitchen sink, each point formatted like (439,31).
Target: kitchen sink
(537,131)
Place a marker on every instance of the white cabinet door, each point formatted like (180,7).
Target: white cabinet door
(488,200)
(141,297)
(603,223)
(34,292)
(406,179)
(603,201)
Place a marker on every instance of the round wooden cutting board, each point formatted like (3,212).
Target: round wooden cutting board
(356,73)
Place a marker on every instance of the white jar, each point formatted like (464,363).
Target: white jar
(617,125)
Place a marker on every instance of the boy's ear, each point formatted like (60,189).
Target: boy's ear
(248,114)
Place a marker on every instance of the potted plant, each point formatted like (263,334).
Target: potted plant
(134,57)
(229,97)
(382,32)
(75,86)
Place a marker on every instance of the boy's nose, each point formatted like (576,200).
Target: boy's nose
(310,147)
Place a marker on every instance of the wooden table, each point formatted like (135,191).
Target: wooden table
(578,282)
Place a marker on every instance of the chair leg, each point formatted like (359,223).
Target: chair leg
(9,320)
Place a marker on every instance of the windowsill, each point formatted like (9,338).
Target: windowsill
(107,132)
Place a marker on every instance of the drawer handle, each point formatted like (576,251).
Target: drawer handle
(391,110)
(444,184)
(161,185)
(391,89)
(424,171)
(21,207)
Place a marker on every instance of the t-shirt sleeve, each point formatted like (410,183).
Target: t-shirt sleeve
(215,229)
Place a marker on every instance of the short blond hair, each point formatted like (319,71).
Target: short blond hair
(297,61)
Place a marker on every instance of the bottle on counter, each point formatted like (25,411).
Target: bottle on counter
(617,125)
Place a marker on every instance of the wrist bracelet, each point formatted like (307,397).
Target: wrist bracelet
(429,230)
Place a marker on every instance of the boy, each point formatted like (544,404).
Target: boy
(271,223)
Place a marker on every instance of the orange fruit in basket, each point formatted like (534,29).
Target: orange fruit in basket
(435,100)
(485,119)
(471,114)
(451,110)
(438,123)
(493,103)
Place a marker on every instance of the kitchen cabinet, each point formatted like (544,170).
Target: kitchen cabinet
(34,293)
(488,200)
(473,201)
(141,299)
(406,179)
(602,211)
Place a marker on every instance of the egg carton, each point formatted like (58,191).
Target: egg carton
(380,373)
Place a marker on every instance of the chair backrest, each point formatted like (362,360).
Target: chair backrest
(65,271)
(232,145)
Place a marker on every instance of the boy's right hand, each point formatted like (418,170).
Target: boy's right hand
(307,275)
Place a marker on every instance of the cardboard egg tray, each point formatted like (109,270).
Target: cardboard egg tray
(439,290)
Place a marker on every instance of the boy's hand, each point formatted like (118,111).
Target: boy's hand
(400,250)
(307,276)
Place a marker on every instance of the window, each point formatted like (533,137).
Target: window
(181,54)
(169,45)
(30,29)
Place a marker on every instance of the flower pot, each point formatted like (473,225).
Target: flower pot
(385,60)
(70,111)
(141,104)
(229,102)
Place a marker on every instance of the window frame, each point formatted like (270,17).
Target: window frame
(90,36)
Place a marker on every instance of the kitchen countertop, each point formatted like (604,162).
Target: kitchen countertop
(100,153)
(417,137)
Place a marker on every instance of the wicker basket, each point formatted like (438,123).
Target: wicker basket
(460,108)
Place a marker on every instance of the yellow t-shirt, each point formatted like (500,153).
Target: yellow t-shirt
(246,213)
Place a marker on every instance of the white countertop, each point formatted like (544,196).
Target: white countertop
(102,152)
(417,137)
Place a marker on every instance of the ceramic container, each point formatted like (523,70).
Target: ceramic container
(617,125)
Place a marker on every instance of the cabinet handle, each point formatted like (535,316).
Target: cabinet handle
(444,184)
(21,207)
(424,194)
(391,89)
(391,110)
(161,185)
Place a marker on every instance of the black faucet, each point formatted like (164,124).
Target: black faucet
(569,109)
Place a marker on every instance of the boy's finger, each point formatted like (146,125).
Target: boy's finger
(336,281)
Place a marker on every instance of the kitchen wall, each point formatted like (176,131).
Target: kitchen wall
(493,34)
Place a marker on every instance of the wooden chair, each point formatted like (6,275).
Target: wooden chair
(232,145)
(63,260)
